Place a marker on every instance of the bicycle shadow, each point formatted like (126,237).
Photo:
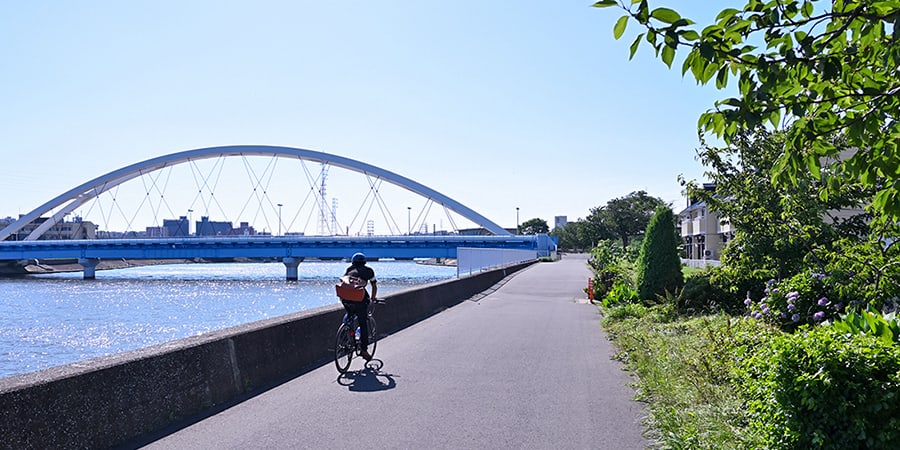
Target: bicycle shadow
(368,379)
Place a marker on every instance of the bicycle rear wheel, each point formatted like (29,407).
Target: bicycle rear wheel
(373,337)
(343,348)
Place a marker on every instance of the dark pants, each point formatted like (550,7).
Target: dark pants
(360,310)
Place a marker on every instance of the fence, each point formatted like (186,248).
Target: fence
(474,260)
(700,263)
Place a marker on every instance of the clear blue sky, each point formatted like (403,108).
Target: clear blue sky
(497,104)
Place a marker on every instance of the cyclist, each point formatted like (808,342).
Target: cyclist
(358,268)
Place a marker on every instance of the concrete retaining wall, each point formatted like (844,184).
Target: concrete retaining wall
(114,400)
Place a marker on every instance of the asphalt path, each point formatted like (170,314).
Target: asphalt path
(525,366)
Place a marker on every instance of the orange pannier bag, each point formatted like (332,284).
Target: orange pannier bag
(352,289)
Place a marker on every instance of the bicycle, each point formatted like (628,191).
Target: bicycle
(347,344)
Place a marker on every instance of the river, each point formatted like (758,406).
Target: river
(54,319)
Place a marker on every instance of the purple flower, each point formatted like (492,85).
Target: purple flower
(819,316)
(765,309)
(793,295)
(838,306)
(795,317)
(791,307)
(757,315)
(747,301)
(823,301)
(783,315)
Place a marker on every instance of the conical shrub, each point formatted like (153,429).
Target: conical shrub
(658,266)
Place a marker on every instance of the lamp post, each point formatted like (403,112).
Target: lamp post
(279,218)
(408,218)
(190,219)
(517,220)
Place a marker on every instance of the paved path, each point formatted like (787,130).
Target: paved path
(527,366)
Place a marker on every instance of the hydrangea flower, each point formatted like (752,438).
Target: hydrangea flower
(823,301)
(795,317)
(819,316)
(790,306)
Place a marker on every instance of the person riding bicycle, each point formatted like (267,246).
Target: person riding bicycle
(359,269)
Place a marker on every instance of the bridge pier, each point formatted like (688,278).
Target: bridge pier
(90,267)
(290,264)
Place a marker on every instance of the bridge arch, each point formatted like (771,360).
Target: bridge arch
(72,199)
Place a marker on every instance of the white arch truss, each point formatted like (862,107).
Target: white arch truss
(83,193)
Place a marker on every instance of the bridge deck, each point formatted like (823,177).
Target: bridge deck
(527,366)
(399,247)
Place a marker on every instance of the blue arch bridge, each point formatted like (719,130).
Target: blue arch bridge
(498,246)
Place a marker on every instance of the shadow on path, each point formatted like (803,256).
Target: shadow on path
(369,379)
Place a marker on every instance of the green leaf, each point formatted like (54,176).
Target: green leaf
(812,163)
(775,118)
(668,54)
(665,15)
(722,78)
(688,62)
(689,35)
(634,45)
(619,29)
(605,3)
(726,14)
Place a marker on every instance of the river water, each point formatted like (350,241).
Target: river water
(54,319)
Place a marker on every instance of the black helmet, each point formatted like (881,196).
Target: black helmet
(358,258)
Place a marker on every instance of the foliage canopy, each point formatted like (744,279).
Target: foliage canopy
(623,218)
(818,69)
(534,226)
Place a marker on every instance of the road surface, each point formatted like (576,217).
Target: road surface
(525,366)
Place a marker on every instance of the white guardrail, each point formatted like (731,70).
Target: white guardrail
(473,260)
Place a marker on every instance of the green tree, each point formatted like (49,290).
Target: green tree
(623,218)
(813,68)
(658,266)
(779,229)
(534,226)
(574,235)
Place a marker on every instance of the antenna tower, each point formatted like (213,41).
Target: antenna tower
(323,204)
(334,224)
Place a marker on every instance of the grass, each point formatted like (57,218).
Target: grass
(688,271)
(683,368)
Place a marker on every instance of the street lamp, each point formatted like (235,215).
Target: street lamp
(517,220)
(408,223)
(279,218)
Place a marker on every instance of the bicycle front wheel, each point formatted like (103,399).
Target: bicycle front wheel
(343,348)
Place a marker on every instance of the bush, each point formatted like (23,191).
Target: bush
(803,299)
(700,295)
(824,388)
(610,264)
(620,293)
(658,266)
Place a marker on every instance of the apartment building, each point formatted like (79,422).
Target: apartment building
(704,232)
